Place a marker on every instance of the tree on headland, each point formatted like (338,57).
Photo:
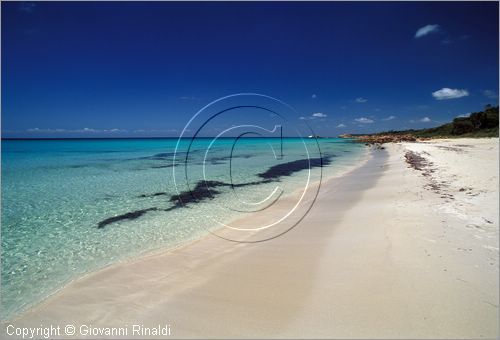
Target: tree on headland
(487,119)
(462,125)
(477,124)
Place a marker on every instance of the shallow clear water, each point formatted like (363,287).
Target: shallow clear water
(56,192)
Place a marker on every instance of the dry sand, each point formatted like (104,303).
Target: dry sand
(386,251)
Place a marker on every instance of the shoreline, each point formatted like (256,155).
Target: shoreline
(381,254)
(165,250)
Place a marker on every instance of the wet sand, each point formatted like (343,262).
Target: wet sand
(386,251)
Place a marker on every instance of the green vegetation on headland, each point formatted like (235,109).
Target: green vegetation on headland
(476,125)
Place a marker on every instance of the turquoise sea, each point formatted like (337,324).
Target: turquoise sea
(70,207)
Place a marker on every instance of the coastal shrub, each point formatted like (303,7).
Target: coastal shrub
(491,119)
(462,125)
(476,121)
(485,119)
(478,124)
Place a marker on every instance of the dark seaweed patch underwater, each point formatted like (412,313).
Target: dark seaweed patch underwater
(204,190)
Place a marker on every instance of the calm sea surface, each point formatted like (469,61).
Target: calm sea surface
(73,206)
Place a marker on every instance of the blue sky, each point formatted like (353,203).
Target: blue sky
(119,69)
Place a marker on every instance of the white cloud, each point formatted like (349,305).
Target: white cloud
(314,96)
(314,116)
(389,118)
(341,125)
(447,93)
(465,115)
(39,130)
(490,94)
(89,130)
(84,130)
(168,130)
(47,130)
(361,100)
(427,29)
(364,120)
(425,120)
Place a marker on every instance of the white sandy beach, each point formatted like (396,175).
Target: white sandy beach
(386,251)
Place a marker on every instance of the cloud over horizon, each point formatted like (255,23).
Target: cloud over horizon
(361,100)
(447,93)
(364,120)
(314,116)
(425,30)
(84,130)
(490,94)
(389,118)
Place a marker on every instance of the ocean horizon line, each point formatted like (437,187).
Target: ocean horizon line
(105,138)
